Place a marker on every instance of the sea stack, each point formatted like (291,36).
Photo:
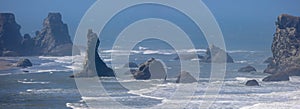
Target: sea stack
(215,54)
(10,36)
(54,38)
(93,64)
(285,49)
(151,69)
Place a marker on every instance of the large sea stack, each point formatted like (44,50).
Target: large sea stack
(216,55)
(285,48)
(10,36)
(93,64)
(54,38)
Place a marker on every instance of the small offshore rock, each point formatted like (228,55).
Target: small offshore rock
(185,77)
(247,69)
(24,63)
(252,83)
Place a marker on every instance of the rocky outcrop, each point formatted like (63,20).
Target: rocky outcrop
(215,54)
(54,38)
(247,69)
(189,57)
(277,77)
(94,66)
(185,77)
(252,83)
(10,36)
(269,60)
(24,63)
(285,48)
(151,69)
(28,45)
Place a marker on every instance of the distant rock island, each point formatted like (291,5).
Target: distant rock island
(285,49)
(52,40)
(213,54)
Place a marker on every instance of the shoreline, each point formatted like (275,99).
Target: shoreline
(6,64)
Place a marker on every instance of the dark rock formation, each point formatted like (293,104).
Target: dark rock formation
(54,38)
(285,48)
(28,45)
(247,69)
(10,37)
(215,54)
(277,77)
(269,60)
(151,69)
(189,57)
(24,63)
(94,66)
(252,83)
(185,77)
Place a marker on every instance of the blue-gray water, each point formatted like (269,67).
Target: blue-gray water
(47,84)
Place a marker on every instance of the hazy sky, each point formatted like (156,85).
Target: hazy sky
(246,24)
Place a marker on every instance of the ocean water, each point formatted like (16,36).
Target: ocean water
(47,85)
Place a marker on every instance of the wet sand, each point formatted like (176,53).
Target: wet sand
(5,64)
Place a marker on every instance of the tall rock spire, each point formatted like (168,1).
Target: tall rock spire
(10,37)
(54,38)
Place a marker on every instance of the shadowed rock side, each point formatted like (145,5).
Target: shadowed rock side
(10,36)
(269,60)
(24,63)
(247,69)
(185,77)
(285,49)
(52,40)
(252,83)
(94,66)
(215,54)
(151,69)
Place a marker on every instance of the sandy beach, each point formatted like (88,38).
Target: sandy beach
(5,64)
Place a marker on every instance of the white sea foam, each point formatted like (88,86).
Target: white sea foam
(32,82)
(107,60)
(5,74)
(240,51)
(121,51)
(241,62)
(288,100)
(142,48)
(76,106)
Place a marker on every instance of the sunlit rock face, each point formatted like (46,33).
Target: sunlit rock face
(54,38)
(286,47)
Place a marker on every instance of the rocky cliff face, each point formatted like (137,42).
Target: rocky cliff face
(286,46)
(54,38)
(10,37)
